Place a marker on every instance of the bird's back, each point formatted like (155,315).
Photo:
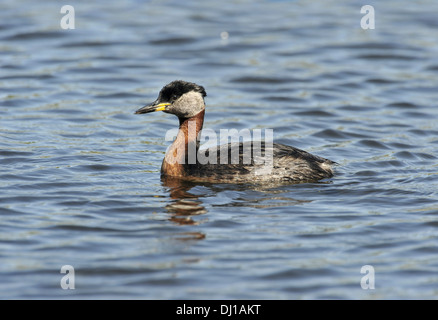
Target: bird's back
(258,162)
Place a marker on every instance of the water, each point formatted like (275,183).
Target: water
(79,175)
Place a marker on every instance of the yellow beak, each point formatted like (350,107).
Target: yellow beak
(153,107)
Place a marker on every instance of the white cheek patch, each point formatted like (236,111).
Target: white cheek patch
(189,104)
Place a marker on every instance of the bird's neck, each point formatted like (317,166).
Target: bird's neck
(184,149)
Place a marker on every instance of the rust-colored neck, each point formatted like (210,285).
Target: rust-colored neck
(184,149)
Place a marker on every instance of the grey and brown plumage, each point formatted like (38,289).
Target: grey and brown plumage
(186,101)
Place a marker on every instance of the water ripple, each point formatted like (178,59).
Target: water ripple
(80,173)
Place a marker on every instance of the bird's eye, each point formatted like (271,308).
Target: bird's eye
(174,96)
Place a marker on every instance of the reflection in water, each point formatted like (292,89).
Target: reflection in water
(184,206)
(265,202)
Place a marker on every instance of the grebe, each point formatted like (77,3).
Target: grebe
(186,101)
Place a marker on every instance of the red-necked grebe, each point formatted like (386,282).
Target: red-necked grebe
(186,101)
